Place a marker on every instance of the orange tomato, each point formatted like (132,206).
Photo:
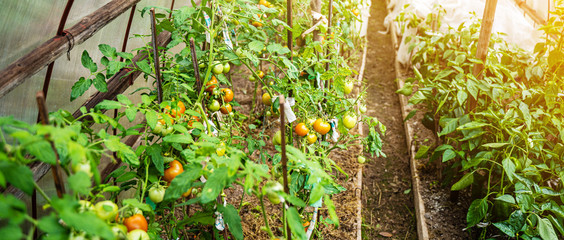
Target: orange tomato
(136,221)
(194,119)
(226,109)
(211,84)
(321,126)
(227,95)
(162,120)
(260,73)
(178,110)
(257,24)
(301,129)
(187,193)
(175,168)
(355,12)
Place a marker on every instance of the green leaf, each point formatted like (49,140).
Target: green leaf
(233,220)
(506,198)
(144,66)
(509,168)
(214,185)
(155,152)
(108,105)
(87,62)
(50,225)
(11,232)
(80,87)
(406,89)
(151,117)
(316,194)
(80,182)
(256,46)
(294,220)
(410,115)
(100,82)
(123,99)
(464,182)
(450,126)
(422,152)
(505,228)
(471,125)
(448,154)
(331,209)
(179,138)
(107,50)
(130,113)
(476,212)
(494,145)
(19,176)
(42,150)
(125,55)
(546,230)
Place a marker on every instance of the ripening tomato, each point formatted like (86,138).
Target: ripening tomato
(187,193)
(260,74)
(257,24)
(349,121)
(301,129)
(227,95)
(226,109)
(266,99)
(321,126)
(175,168)
(162,120)
(136,221)
(355,12)
(311,138)
(211,84)
(220,150)
(106,210)
(177,111)
(138,235)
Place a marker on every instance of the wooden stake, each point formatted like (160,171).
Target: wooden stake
(290,42)
(284,159)
(196,66)
(483,43)
(156,56)
(40,97)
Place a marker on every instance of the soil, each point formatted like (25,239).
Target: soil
(388,210)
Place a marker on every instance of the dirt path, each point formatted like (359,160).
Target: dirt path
(388,211)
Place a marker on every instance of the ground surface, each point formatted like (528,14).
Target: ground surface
(387,211)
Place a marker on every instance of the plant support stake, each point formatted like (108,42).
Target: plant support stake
(40,97)
(156,56)
(284,159)
(195,63)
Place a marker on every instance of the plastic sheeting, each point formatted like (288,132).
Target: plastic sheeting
(509,19)
(27,24)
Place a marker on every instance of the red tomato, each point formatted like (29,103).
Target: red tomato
(136,221)
(173,171)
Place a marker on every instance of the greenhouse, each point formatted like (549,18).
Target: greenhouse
(271,119)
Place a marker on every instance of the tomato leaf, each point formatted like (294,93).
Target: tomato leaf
(232,219)
(178,138)
(18,175)
(422,152)
(87,62)
(214,185)
(80,182)
(100,83)
(256,46)
(155,152)
(107,50)
(331,210)
(295,223)
(80,87)
(108,105)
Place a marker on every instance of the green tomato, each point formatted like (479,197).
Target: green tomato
(106,210)
(271,190)
(277,139)
(84,167)
(295,53)
(349,121)
(252,78)
(226,67)
(348,87)
(362,108)
(168,130)
(202,65)
(217,68)
(156,193)
(239,51)
(274,198)
(119,230)
(220,151)
(361,159)
(85,206)
(214,106)
(158,128)
(138,234)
